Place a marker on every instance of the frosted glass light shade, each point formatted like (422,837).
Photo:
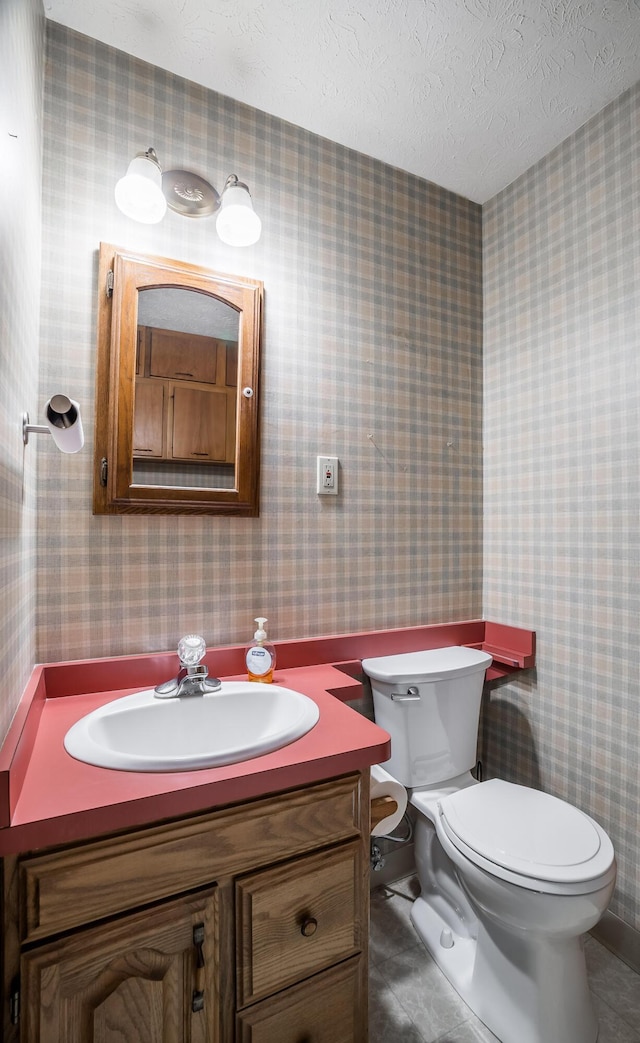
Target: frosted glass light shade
(139,193)
(237,223)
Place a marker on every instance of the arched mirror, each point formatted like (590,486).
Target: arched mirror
(177,388)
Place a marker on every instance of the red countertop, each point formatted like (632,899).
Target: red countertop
(49,798)
(62,799)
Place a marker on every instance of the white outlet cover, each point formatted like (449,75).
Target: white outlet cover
(327,475)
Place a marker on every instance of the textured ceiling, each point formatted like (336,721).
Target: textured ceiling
(465,93)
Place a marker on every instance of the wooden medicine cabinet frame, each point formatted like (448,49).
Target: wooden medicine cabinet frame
(122,273)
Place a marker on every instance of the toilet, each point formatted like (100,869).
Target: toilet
(511,878)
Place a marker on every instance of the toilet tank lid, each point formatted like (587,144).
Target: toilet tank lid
(529,832)
(432,664)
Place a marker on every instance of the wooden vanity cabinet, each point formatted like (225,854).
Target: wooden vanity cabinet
(247,924)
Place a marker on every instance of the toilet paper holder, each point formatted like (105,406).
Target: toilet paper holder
(382,807)
(64,424)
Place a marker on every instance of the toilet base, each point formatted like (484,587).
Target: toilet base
(529,993)
(456,962)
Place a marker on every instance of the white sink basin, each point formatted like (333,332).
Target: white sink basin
(144,733)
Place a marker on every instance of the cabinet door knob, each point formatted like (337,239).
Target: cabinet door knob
(309,926)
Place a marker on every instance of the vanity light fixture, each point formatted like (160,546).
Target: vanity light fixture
(144,193)
(139,192)
(237,223)
(64,424)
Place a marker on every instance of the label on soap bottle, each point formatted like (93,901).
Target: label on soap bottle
(258,660)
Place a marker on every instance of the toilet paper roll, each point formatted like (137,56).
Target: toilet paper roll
(65,423)
(384,785)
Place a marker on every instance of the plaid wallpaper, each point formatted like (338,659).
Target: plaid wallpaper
(21,73)
(561,490)
(372,353)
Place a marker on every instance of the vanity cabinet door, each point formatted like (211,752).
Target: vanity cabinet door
(145,978)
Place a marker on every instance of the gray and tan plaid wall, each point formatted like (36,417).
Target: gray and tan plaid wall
(562,474)
(21,75)
(373,353)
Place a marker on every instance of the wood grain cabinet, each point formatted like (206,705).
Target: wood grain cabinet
(247,924)
(323,1010)
(149,428)
(147,978)
(201,424)
(184,356)
(296,920)
(185,397)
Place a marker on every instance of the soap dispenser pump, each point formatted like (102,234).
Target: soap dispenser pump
(261,655)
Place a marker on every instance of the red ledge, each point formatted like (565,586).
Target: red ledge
(512,649)
(48,798)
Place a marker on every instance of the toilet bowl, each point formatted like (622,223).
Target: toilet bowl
(511,878)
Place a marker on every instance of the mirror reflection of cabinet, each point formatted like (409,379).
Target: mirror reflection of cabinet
(186,386)
(177,388)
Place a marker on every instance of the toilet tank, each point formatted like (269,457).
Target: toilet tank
(434,727)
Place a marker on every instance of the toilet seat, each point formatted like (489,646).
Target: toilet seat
(527,837)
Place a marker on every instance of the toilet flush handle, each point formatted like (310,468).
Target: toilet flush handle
(412,695)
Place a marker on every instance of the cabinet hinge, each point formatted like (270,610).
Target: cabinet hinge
(104,471)
(14,1005)
(198,941)
(109,286)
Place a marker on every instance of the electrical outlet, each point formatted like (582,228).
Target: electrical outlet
(327,475)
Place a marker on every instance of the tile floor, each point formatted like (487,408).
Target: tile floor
(412,1002)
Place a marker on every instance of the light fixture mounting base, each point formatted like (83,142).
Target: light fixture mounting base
(189,194)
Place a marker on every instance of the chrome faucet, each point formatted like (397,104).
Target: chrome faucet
(192,678)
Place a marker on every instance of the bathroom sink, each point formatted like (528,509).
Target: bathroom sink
(144,733)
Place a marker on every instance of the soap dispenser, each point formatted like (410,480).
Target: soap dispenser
(261,655)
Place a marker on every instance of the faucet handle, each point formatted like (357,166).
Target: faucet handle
(191,649)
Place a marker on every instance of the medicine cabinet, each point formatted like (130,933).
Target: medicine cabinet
(176,388)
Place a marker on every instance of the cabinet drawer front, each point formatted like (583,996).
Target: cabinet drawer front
(89,881)
(330,1008)
(297,919)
